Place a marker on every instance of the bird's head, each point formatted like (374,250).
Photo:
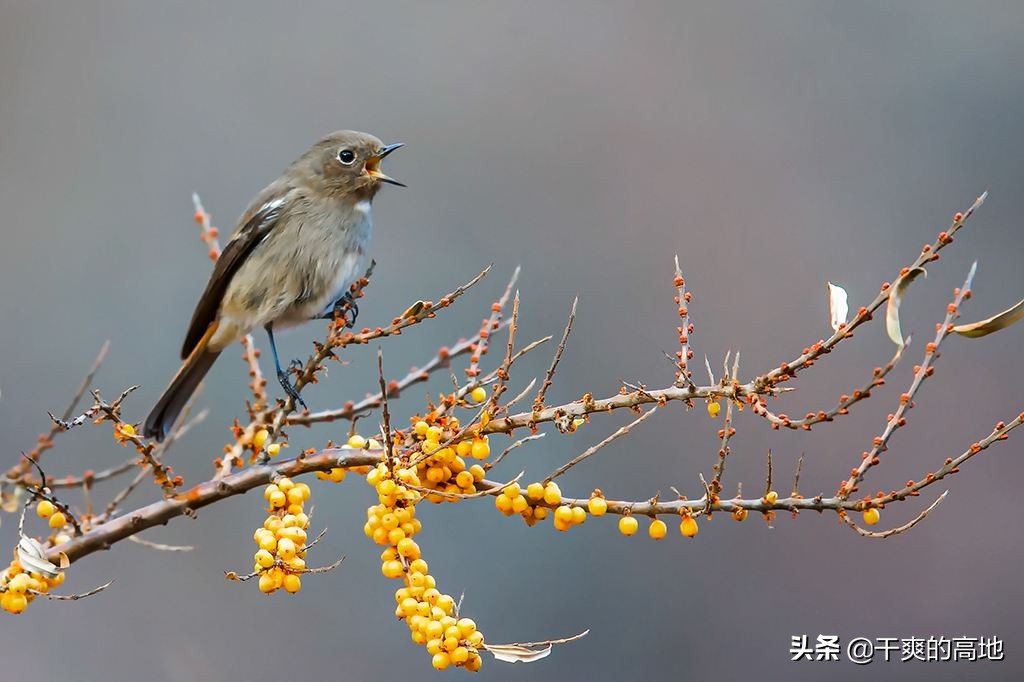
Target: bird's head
(348,163)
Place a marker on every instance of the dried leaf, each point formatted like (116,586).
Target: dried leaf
(32,556)
(992,324)
(528,652)
(892,311)
(414,310)
(510,653)
(838,307)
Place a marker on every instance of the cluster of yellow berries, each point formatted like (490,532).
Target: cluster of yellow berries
(18,585)
(445,469)
(47,510)
(688,528)
(430,615)
(281,557)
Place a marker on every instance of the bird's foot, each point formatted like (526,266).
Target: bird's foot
(289,388)
(344,308)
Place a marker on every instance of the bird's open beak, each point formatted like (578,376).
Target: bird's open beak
(373,165)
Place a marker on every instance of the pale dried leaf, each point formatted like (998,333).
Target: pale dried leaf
(992,324)
(32,556)
(510,653)
(838,307)
(892,311)
(528,652)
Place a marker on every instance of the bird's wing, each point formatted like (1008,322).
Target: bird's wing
(258,225)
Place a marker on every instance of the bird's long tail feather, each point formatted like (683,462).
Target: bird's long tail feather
(181,388)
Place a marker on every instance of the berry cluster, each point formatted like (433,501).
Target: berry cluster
(432,617)
(281,557)
(18,586)
(444,468)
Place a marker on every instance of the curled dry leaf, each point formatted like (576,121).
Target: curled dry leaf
(838,307)
(32,556)
(992,324)
(528,652)
(892,311)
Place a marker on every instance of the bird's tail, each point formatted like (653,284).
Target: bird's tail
(181,388)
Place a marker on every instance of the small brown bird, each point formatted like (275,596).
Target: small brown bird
(293,256)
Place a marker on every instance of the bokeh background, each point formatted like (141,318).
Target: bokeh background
(774,146)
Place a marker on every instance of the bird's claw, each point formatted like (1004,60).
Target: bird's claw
(289,388)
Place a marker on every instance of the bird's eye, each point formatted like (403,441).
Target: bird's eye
(346,156)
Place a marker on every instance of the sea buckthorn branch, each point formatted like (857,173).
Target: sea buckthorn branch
(842,407)
(921,373)
(878,535)
(489,326)
(549,376)
(416,375)
(125,433)
(185,502)
(506,365)
(929,253)
(685,328)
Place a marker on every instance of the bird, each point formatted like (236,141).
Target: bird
(292,257)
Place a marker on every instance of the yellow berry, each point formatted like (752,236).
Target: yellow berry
(291,583)
(268,542)
(552,493)
(408,548)
(503,504)
(688,527)
(464,479)
(597,506)
(356,441)
(474,663)
(579,516)
(127,429)
(657,529)
(478,472)
(628,525)
(740,514)
(460,655)
(18,583)
(421,428)
(466,627)
(264,558)
(713,409)
(13,602)
(475,639)
(277,499)
(429,446)
(274,449)
(58,520)
(519,504)
(45,509)
(564,514)
(336,475)
(871,516)
(771,496)
(478,394)
(260,438)
(392,569)
(481,448)
(535,491)
(441,660)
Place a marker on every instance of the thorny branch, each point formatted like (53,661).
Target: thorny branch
(401,448)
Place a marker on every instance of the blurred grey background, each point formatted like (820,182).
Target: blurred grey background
(774,146)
